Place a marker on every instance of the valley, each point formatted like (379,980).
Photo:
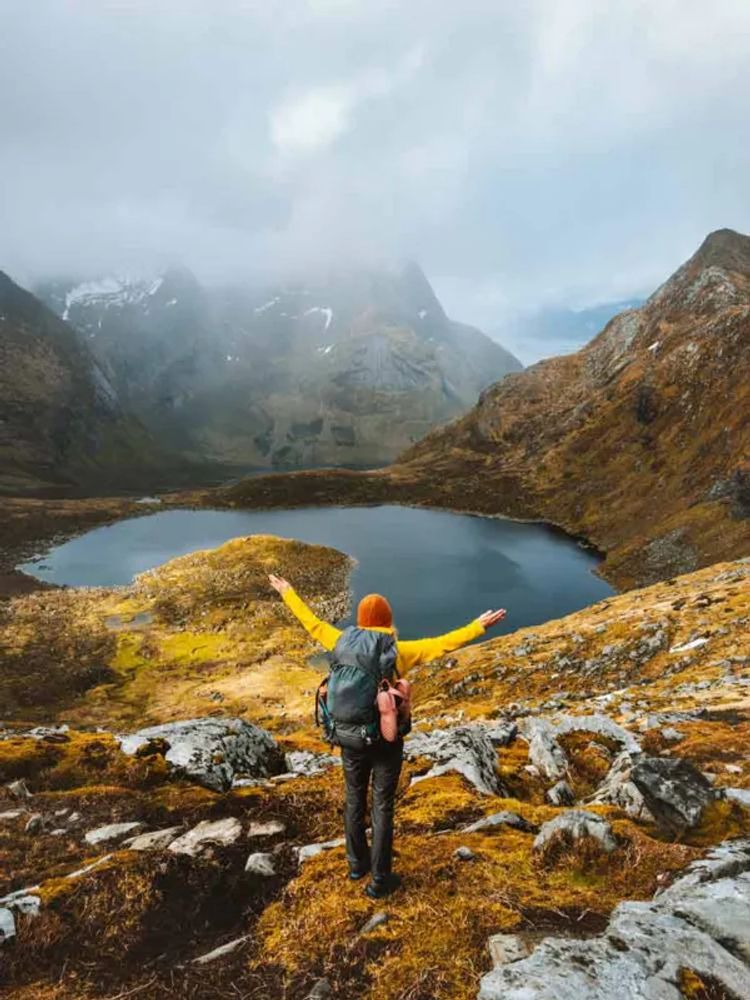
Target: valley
(574,812)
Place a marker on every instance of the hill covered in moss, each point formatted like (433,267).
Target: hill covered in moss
(169,818)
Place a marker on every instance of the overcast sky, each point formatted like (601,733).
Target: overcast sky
(544,152)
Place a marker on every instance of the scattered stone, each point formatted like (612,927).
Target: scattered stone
(156,840)
(304,854)
(12,814)
(574,825)
(702,923)
(504,818)
(112,832)
(221,951)
(320,990)
(741,795)
(675,793)
(34,824)
(561,794)
(671,735)
(375,921)
(464,854)
(305,762)
(210,751)
(501,734)
(18,789)
(261,864)
(598,725)
(466,750)
(207,833)
(7,924)
(617,789)
(90,867)
(271,828)
(505,948)
(545,753)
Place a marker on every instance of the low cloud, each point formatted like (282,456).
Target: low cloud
(555,153)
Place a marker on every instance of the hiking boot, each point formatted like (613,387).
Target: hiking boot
(379,889)
(356,876)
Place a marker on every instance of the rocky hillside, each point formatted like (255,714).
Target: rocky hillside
(346,370)
(573,819)
(61,420)
(640,442)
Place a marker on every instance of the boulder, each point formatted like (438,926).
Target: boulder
(464,854)
(208,833)
(505,948)
(112,832)
(503,818)
(572,826)
(701,923)
(261,864)
(675,793)
(618,789)
(466,750)
(561,794)
(211,751)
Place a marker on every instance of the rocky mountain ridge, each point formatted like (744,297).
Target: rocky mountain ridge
(61,418)
(573,814)
(346,369)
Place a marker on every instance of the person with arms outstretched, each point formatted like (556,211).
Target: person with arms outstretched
(379,761)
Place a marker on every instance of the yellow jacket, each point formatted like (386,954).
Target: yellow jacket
(410,652)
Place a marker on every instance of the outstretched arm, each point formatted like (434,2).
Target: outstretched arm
(327,635)
(423,650)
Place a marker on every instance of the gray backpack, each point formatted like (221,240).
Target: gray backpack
(345,704)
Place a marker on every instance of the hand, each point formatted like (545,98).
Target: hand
(279,583)
(490,618)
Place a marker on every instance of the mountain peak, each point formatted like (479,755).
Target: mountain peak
(724,248)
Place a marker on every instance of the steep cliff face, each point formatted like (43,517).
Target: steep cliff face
(61,421)
(349,369)
(640,441)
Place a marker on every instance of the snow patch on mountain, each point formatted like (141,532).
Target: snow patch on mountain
(324,311)
(112,291)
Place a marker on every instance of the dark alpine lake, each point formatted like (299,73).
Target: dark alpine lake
(438,569)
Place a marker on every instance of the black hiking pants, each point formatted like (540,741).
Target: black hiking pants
(381,761)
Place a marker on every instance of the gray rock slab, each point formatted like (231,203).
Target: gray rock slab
(505,948)
(212,751)
(575,824)
(155,840)
(206,834)
(112,832)
(465,750)
(645,946)
(503,818)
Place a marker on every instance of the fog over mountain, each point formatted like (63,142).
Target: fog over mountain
(533,156)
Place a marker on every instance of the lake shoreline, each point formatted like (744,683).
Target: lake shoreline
(31,526)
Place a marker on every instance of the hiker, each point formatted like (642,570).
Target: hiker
(380,760)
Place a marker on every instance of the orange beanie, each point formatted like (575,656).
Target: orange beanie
(374,612)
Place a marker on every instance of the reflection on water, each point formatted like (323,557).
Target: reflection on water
(438,569)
